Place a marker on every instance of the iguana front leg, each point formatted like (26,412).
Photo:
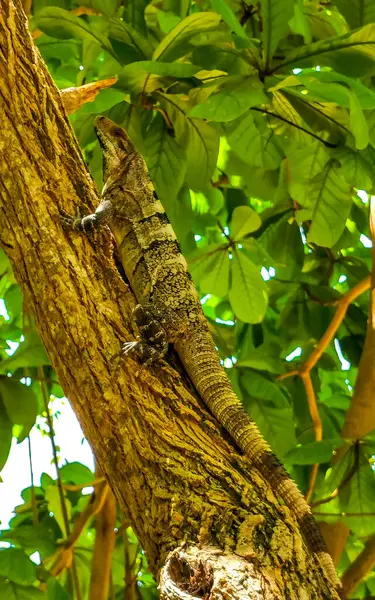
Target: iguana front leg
(88,223)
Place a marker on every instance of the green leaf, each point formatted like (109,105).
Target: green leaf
(224,58)
(352,54)
(121,31)
(275,424)
(275,17)
(16,566)
(179,41)
(5,435)
(253,141)
(20,402)
(165,159)
(313,452)
(247,295)
(327,206)
(201,142)
(54,506)
(63,24)
(13,300)
(357,12)
(358,123)
(235,96)
(36,537)
(244,221)
(76,473)
(316,82)
(263,358)
(282,241)
(358,497)
(55,591)
(141,76)
(105,7)
(211,270)
(230,19)
(12,591)
(31,353)
(356,169)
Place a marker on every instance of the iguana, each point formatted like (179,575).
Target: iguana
(170,311)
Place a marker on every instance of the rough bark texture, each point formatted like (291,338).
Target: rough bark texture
(175,474)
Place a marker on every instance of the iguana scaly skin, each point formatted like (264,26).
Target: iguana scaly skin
(170,311)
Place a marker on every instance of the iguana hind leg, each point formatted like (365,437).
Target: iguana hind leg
(154,341)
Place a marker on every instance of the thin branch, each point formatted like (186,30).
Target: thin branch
(361,566)
(33,496)
(342,306)
(72,573)
(305,368)
(80,486)
(101,565)
(310,133)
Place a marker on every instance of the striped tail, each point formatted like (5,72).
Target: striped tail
(201,361)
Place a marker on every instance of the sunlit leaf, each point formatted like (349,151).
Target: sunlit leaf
(247,293)
(178,41)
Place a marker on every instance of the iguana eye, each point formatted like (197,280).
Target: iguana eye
(118,132)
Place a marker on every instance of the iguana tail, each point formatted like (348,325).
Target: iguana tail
(201,361)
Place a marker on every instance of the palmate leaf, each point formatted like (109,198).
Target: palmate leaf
(134,14)
(16,566)
(316,82)
(358,497)
(31,353)
(13,591)
(253,141)
(247,294)
(20,403)
(210,270)
(234,96)
(5,435)
(357,12)
(327,204)
(313,452)
(200,141)
(275,17)
(146,75)
(269,408)
(177,42)
(63,24)
(54,505)
(165,159)
(244,221)
(56,591)
(352,53)
(105,7)
(123,32)
(231,20)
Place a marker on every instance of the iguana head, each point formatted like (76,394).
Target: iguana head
(115,143)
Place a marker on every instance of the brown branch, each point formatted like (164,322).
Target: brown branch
(63,557)
(80,486)
(130,578)
(34,505)
(317,424)
(361,566)
(101,565)
(342,306)
(304,369)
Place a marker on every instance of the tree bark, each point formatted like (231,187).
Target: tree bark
(207,520)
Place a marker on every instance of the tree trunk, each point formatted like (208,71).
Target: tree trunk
(209,523)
